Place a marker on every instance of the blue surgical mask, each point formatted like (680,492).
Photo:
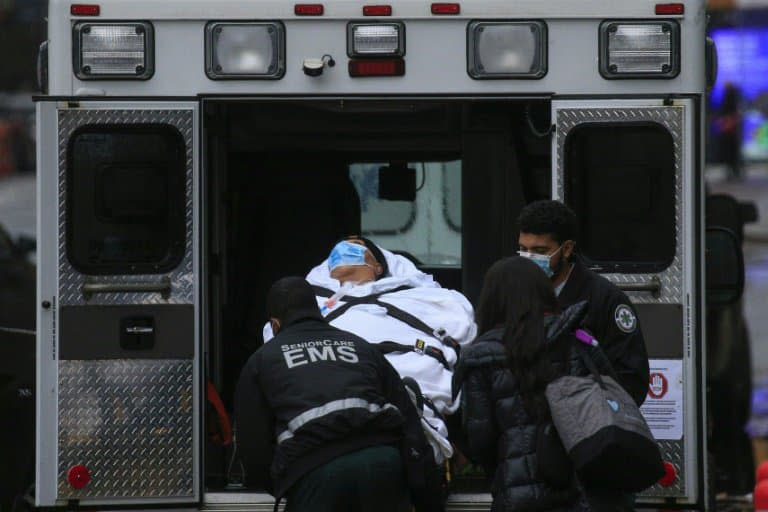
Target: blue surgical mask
(542,260)
(346,253)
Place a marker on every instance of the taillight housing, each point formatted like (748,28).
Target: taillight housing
(113,51)
(506,49)
(244,50)
(371,39)
(639,49)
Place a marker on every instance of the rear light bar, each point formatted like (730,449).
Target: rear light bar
(84,10)
(377,10)
(670,9)
(308,9)
(376,67)
(446,8)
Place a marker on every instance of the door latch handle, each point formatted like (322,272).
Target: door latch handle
(653,285)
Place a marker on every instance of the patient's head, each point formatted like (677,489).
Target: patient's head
(356,259)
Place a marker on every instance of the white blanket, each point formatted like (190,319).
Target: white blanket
(437,307)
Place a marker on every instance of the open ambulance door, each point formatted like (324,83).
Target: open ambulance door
(118,393)
(631,170)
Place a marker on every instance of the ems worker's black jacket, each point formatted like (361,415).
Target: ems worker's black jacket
(314,393)
(613,321)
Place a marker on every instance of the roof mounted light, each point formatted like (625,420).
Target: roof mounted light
(507,49)
(84,10)
(442,8)
(244,50)
(670,9)
(113,51)
(386,39)
(639,49)
(377,10)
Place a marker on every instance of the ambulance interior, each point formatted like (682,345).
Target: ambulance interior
(286,180)
(438,181)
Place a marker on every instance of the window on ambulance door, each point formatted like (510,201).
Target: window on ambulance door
(620,181)
(427,228)
(126,199)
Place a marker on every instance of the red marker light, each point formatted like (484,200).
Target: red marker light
(376,67)
(84,10)
(78,476)
(308,9)
(442,8)
(670,475)
(377,10)
(670,9)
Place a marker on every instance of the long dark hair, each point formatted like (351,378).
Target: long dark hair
(517,295)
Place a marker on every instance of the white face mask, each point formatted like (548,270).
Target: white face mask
(542,260)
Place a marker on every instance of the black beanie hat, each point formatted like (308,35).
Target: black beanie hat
(375,251)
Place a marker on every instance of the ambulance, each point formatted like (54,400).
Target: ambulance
(191,152)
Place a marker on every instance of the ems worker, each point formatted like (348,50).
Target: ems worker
(324,414)
(547,236)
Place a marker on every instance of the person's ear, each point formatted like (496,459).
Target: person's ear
(275,324)
(378,269)
(568,248)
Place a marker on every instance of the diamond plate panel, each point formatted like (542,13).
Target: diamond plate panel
(673,452)
(70,280)
(672,119)
(130,422)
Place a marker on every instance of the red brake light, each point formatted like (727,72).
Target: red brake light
(84,10)
(376,67)
(670,9)
(442,8)
(377,10)
(308,9)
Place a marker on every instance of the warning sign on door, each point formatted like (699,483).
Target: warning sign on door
(663,407)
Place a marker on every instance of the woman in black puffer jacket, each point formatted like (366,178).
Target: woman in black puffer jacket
(525,344)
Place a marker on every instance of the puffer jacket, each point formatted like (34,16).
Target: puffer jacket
(502,436)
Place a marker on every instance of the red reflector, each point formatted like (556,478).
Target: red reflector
(377,67)
(308,9)
(670,9)
(670,475)
(84,10)
(78,476)
(377,10)
(446,8)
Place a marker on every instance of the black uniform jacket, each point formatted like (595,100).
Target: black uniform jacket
(501,435)
(314,393)
(613,321)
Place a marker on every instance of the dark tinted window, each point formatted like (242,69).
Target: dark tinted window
(126,199)
(620,180)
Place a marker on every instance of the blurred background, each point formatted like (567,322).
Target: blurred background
(737,164)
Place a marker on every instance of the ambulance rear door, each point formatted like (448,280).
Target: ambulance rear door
(118,332)
(631,171)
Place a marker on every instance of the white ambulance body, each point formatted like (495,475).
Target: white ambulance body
(190,152)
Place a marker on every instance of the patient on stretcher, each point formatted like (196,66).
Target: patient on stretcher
(383,298)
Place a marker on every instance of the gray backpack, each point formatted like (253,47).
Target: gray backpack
(603,431)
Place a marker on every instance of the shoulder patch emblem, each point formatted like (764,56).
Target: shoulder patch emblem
(625,318)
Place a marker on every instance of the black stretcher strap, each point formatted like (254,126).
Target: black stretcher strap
(356,301)
(420,347)
(322,292)
(394,312)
